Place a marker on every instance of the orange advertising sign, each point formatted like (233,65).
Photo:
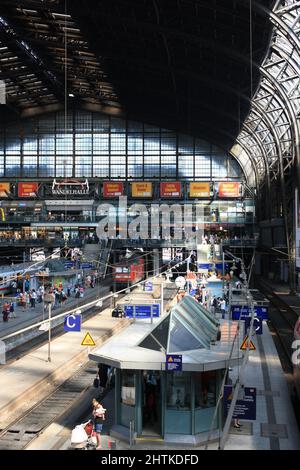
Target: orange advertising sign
(141,189)
(229,189)
(170,189)
(112,189)
(199,189)
(4,189)
(27,189)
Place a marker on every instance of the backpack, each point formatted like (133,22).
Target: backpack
(96,382)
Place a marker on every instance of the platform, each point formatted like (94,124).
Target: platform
(32,376)
(23,318)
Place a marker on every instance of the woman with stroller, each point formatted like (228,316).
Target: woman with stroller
(99,416)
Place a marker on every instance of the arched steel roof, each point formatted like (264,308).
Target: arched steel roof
(271,130)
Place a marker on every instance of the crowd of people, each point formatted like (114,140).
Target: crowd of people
(196,286)
(26,297)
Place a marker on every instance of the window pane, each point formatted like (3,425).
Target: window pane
(178,391)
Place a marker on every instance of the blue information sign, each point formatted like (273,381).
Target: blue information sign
(142,311)
(257,325)
(237,311)
(149,286)
(69,264)
(72,323)
(245,407)
(86,265)
(174,362)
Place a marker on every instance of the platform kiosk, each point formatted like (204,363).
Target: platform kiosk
(175,404)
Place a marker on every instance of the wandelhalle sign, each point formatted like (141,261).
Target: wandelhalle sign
(70,187)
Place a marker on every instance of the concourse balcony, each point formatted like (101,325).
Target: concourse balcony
(41,242)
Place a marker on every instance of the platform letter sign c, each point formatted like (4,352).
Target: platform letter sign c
(72,323)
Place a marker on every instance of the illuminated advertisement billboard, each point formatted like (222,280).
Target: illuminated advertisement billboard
(141,189)
(4,189)
(27,189)
(200,189)
(170,189)
(112,189)
(229,189)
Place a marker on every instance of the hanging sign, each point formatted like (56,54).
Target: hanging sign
(112,189)
(229,189)
(200,189)
(141,189)
(170,189)
(27,189)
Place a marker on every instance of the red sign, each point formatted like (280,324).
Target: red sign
(112,189)
(170,189)
(27,189)
(229,189)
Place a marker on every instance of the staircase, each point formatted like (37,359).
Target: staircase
(104,257)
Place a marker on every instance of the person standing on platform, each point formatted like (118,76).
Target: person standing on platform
(223,308)
(99,416)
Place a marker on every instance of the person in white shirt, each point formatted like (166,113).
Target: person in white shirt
(223,308)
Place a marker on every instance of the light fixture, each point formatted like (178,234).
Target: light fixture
(127,291)
(99,303)
(71,95)
(78,312)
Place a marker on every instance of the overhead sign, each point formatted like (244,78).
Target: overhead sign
(245,407)
(200,189)
(86,265)
(174,362)
(27,189)
(257,325)
(245,343)
(237,311)
(170,189)
(141,311)
(141,189)
(88,340)
(70,187)
(4,189)
(229,189)
(72,323)
(113,189)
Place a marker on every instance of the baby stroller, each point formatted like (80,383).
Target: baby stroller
(83,437)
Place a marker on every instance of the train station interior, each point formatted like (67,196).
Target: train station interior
(149,225)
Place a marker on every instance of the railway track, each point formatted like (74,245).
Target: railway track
(20,433)
(282,321)
(38,341)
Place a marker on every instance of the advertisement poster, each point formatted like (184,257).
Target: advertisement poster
(200,190)
(141,189)
(229,189)
(170,189)
(112,189)
(27,189)
(4,189)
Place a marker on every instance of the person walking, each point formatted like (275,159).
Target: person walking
(33,297)
(223,308)
(99,416)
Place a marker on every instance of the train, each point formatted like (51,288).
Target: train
(296,363)
(129,270)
